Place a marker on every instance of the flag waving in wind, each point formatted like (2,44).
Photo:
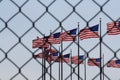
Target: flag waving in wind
(56,37)
(113,28)
(55,56)
(94,62)
(69,35)
(78,60)
(91,32)
(114,63)
(66,58)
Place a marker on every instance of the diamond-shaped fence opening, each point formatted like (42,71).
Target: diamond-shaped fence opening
(19,24)
(108,9)
(22,21)
(27,38)
(33,9)
(87,10)
(58,7)
(7,9)
(7,41)
(111,40)
(31,71)
(22,57)
(71,22)
(7,69)
(42,24)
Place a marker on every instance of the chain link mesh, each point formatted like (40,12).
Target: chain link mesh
(22,21)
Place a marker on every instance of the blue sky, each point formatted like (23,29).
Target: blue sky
(60,9)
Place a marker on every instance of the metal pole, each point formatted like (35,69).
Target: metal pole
(50,60)
(42,64)
(78,53)
(103,66)
(100,53)
(61,57)
(85,65)
(59,62)
(71,64)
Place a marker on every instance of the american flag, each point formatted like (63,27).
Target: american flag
(69,35)
(55,56)
(63,35)
(53,39)
(114,63)
(48,58)
(36,42)
(51,50)
(94,61)
(48,39)
(57,39)
(76,60)
(91,32)
(44,45)
(113,28)
(66,58)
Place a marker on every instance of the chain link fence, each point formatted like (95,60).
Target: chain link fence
(21,21)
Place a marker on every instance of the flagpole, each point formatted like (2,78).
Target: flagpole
(85,66)
(43,60)
(50,60)
(78,52)
(103,66)
(42,64)
(59,62)
(61,57)
(100,53)
(44,52)
(71,63)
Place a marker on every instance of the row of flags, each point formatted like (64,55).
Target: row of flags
(56,57)
(113,28)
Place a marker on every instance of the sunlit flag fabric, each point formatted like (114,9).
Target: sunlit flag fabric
(66,58)
(37,42)
(114,63)
(76,60)
(70,35)
(91,32)
(63,35)
(48,39)
(56,40)
(53,39)
(113,28)
(47,54)
(44,45)
(44,54)
(94,61)
(51,50)
(48,58)
(55,56)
